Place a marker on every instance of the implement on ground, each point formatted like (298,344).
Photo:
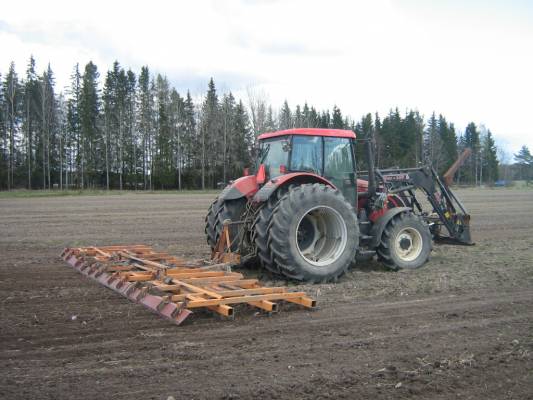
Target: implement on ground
(173,287)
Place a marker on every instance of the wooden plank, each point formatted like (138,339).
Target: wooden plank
(216,266)
(242,283)
(138,276)
(228,293)
(127,246)
(196,274)
(303,301)
(222,309)
(102,253)
(197,289)
(246,299)
(180,270)
(216,279)
(143,261)
(244,292)
(144,267)
(265,305)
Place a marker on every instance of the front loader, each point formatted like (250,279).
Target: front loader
(306,214)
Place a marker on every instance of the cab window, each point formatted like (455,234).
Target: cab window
(338,162)
(273,153)
(306,154)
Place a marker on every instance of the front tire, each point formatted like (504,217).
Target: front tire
(405,243)
(313,234)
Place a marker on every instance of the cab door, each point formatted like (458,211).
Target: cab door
(339,166)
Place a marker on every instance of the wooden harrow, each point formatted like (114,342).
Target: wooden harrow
(173,287)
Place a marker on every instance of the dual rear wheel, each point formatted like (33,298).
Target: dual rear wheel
(310,233)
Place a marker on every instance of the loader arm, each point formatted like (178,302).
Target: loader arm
(447,210)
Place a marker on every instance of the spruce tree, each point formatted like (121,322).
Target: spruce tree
(89,115)
(74,128)
(270,123)
(210,129)
(3,139)
(228,143)
(524,159)
(30,117)
(145,124)
(298,117)
(163,160)
(190,141)
(242,141)
(285,117)
(12,109)
(109,104)
(471,140)
(324,120)
(337,122)
(490,159)
(306,116)
(313,118)
(48,136)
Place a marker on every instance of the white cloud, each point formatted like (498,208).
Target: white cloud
(470,61)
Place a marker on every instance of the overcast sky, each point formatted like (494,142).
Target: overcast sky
(469,60)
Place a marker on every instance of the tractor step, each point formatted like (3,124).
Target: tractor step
(172,287)
(366,253)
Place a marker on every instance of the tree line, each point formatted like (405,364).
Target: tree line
(124,130)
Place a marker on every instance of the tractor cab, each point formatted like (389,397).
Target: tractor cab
(328,153)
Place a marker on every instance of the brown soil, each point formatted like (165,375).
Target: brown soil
(461,327)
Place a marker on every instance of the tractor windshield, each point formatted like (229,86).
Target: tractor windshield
(273,153)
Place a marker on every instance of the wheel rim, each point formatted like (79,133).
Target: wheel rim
(321,236)
(408,244)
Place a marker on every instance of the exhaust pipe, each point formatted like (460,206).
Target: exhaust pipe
(371,168)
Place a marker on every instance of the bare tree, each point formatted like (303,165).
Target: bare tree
(258,105)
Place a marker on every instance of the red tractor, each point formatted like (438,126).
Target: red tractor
(306,215)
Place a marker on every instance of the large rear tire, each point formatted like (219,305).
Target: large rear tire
(405,243)
(313,234)
(261,231)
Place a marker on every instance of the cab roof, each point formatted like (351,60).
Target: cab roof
(343,133)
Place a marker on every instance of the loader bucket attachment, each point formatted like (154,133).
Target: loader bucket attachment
(173,287)
(463,232)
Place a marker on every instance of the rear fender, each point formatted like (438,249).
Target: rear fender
(377,228)
(293,178)
(245,186)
